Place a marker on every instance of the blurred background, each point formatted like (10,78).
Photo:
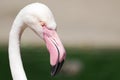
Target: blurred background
(89,30)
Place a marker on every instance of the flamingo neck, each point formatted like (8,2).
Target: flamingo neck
(15,61)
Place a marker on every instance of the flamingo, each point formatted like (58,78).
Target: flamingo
(39,18)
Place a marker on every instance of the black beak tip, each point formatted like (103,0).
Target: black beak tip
(53,70)
(56,68)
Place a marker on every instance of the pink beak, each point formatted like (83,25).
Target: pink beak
(55,48)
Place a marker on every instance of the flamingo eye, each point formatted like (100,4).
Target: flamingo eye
(42,23)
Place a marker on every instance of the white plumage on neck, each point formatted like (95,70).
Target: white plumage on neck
(16,65)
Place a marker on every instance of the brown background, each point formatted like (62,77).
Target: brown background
(80,22)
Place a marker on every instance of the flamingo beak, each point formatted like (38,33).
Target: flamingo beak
(56,50)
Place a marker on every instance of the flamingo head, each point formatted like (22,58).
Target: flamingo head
(45,27)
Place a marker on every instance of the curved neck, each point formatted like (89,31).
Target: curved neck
(16,65)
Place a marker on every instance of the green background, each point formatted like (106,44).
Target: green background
(99,64)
